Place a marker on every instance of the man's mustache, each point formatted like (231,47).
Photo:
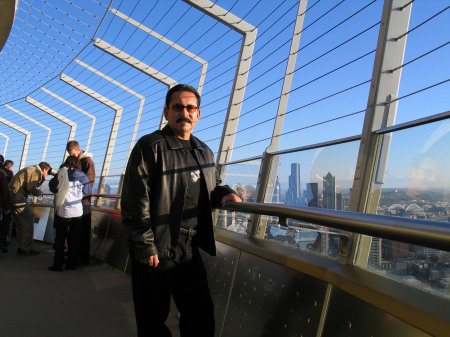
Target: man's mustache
(184,119)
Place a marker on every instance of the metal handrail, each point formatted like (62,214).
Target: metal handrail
(112,196)
(428,233)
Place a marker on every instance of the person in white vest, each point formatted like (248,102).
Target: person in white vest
(70,184)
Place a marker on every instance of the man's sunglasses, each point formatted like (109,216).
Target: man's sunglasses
(180,107)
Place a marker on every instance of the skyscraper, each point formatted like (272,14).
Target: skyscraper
(339,201)
(273,193)
(312,194)
(329,191)
(293,193)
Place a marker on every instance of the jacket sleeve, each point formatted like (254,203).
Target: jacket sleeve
(34,180)
(219,192)
(136,203)
(86,185)
(90,172)
(53,184)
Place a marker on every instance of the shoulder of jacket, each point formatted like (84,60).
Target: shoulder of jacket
(78,173)
(151,138)
(34,170)
(85,154)
(86,160)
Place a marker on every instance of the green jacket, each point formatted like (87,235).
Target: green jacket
(26,181)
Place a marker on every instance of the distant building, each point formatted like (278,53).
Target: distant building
(329,191)
(394,250)
(312,194)
(293,193)
(339,202)
(275,196)
(375,253)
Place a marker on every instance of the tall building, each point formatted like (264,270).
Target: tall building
(312,194)
(392,250)
(339,201)
(293,193)
(276,195)
(329,191)
(375,252)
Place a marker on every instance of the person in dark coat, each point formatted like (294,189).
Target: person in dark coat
(88,167)
(5,211)
(170,187)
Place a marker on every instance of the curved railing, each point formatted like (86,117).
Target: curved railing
(432,234)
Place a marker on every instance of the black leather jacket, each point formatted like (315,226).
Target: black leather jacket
(154,191)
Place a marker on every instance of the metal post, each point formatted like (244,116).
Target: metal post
(385,84)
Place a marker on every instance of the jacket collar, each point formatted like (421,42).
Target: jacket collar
(38,168)
(174,142)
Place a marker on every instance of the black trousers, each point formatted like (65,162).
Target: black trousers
(187,283)
(5,229)
(85,244)
(69,228)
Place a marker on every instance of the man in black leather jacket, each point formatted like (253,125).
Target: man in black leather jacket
(170,187)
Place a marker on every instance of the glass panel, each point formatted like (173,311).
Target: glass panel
(426,58)
(304,236)
(242,178)
(314,178)
(110,186)
(416,185)
(47,197)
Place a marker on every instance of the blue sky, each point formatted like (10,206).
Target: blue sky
(305,123)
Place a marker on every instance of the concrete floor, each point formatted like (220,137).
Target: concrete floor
(91,301)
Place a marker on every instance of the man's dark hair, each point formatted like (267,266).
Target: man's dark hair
(72,163)
(73,144)
(2,159)
(45,166)
(8,163)
(179,88)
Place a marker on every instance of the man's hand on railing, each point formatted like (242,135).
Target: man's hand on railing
(230,198)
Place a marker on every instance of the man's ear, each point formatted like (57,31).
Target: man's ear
(165,112)
(199,112)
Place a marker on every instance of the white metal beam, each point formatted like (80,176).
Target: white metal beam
(49,131)
(6,144)
(169,43)
(26,142)
(269,167)
(73,125)
(78,109)
(139,65)
(115,126)
(135,63)
(249,33)
(120,85)
(288,76)
(380,113)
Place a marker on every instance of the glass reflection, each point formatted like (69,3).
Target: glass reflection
(319,178)
(416,185)
(242,178)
